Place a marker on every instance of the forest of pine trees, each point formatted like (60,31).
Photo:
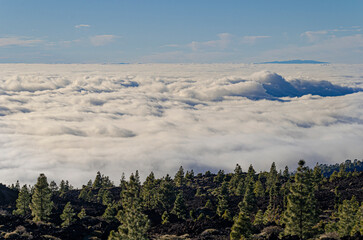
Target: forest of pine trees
(299,204)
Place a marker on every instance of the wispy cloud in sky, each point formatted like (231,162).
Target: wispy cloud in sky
(346,48)
(100,40)
(313,36)
(252,39)
(221,43)
(236,31)
(19,41)
(82,26)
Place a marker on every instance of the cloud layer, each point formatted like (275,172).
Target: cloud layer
(70,121)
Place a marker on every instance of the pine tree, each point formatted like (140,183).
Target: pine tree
(317,177)
(134,223)
(222,199)
(110,212)
(84,194)
(64,187)
(272,178)
(106,182)
(219,177)
(300,215)
(68,215)
(358,225)
(242,227)
(166,193)
(241,188)
(342,172)
(189,177)
(90,195)
(251,173)
(17,186)
(208,205)
(137,178)
(82,214)
(41,205)
(258,218)
(179,206)
(123,182)
(165,218)
(201,217)
(271,215)
(333,176)
(149,192)
(97,183)
(207,174)
(198,193)
(89,184)
(286,173)
(285,191)
(227,215)
(100,193)
(53,187)
(258,189)
(179,177)
(249,199)
(347,214)
(106,197)
(273,196)
(236,179)
(272,185)
(23,201)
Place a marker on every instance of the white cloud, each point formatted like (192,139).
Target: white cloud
(313,36)
(82,26)
(172,45)
(69,121)
(185,56)
(253,39)
(221,43)
(100,40)
(346,49)
(19,41)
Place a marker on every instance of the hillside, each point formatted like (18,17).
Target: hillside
(188,206)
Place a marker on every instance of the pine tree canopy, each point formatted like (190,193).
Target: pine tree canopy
(242,227)
(23,201)
(300,215)
(41,205)
(68,215)
(134,223)
(179,206)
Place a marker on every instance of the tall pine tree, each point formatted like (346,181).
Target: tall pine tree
(68,215)
(348,214)
(300,215)
(179,177)
(242,227)
(134,223)
(180,209)
(223,195)
(23,201)
(166,193)
(149,192)
(41,205)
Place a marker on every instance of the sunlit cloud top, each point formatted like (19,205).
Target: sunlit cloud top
(70,121)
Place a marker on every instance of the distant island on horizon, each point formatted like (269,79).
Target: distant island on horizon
(296,61)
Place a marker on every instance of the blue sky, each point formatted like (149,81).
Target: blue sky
(196,31)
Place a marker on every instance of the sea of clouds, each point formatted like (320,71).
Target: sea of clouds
(70,121)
